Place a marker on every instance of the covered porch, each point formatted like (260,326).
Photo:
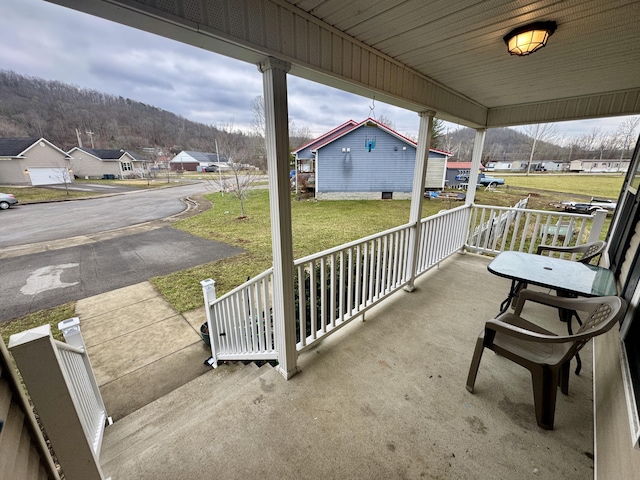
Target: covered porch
(382,398)
(389,400)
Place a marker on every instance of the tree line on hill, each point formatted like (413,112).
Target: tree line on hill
(34,107)
(543,142)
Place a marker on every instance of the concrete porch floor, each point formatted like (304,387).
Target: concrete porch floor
(380,399)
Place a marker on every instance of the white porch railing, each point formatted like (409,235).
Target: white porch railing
(240,323)
(442,235)
(496,229)
(65,393)
(331,287)
(335,286)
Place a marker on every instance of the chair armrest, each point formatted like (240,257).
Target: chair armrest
(505,328)
(577,304)
(544,248)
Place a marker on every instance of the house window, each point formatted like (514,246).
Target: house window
(387,195)
(126,167)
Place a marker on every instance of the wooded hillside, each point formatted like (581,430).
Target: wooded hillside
(31,106)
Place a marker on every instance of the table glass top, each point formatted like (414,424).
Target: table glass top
(572,277)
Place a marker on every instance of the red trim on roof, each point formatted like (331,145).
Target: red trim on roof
(323,136)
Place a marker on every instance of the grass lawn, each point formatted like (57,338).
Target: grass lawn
(606,186)
(39,194)
(42,194)
(52,316)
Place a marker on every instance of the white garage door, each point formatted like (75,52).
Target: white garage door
(48,176)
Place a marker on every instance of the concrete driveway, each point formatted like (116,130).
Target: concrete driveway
(42,280)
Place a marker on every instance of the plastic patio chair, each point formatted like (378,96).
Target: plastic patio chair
(546,355)
(588,250)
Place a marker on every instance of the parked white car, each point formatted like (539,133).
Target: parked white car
(6,200)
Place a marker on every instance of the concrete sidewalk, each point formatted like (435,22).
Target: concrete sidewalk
(140,348)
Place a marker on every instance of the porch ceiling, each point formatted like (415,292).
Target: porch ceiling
(422,54)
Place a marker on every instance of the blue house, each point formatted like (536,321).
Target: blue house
(365,160)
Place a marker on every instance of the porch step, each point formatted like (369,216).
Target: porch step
(140,430)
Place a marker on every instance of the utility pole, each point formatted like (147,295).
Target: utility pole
(90,133)
(79,138)
(219,169)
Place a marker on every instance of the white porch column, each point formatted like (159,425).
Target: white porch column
(478,145)
(417,193)
(274,79)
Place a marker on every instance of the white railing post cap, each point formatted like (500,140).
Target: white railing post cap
(29,335)
(208,283)
(68,323)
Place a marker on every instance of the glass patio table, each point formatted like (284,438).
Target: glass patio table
(569,279)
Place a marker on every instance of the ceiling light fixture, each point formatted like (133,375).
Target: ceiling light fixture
(525,40)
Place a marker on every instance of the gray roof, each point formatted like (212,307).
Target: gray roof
(104,153)
(112,153)
(12,147)
(205,157)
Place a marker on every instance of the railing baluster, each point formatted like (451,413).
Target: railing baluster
(302,304)
(323,294)
(332,317)
(358,280)
(313,300)
(350,282)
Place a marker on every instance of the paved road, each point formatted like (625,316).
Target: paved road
(44,222)
(43,280)
(53,253)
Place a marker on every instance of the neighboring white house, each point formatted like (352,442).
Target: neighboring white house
(594,165)
(492,166)
(107,163)
(520,165)
(33,161)
(197,161)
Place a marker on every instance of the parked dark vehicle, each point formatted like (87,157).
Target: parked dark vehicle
(6,200)
(486,181)
(589,207)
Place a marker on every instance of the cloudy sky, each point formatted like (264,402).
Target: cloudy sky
(51,42)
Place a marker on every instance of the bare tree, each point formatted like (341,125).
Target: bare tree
(298,136)
(588,141)
(626,134)
(386,121)
(606,142)
(540,132)
(243,176)
(257,111)
(62,175)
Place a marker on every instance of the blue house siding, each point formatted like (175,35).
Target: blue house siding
(348,164)
(366,160)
